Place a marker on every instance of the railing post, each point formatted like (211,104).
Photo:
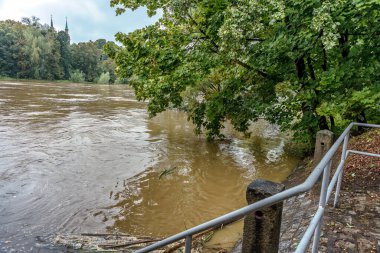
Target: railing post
(322,203)
(342,159)
(188,243)
(323,142)
(262,228)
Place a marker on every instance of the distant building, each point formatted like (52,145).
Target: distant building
(66,28)
(64,42)
(51,22)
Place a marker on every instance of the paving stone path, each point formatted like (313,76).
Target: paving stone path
(296,217)
(352,227)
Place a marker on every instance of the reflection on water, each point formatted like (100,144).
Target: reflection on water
(85,158)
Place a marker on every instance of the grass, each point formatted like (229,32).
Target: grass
(5,78)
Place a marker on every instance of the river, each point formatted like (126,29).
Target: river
(80,158)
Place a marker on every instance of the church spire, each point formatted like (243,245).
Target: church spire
(66,27)
(51,22)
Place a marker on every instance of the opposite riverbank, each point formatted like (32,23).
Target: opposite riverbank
(5,78)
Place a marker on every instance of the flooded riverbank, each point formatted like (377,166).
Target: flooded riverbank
(86,158)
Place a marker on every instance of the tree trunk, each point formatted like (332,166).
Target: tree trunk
(361,118)
(322,123)
(332,123)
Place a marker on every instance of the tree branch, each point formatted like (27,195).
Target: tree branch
(364,34)
(324,65)
(255,39)
(245,65)
(300,67)
(203,32)
(311,69)
(216,47)
(343,41)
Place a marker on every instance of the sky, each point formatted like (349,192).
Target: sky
(87,19)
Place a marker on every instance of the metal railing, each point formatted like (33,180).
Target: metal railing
(314,227)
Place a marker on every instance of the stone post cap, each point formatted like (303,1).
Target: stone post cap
(265,187)
(326,132)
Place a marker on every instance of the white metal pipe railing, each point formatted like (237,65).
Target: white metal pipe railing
(339,171)
(304,243)
(316,223)
(363,153)
(322,204)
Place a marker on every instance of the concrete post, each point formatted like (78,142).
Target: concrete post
(324,141)
(262,228)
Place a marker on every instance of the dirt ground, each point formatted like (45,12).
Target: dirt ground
(354,226)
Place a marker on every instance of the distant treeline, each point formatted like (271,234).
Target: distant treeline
(31,50)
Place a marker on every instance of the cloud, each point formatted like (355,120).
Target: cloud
(16,9)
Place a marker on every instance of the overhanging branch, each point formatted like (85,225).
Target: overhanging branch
(247,66)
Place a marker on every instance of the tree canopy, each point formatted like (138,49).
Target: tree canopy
(302,64)
(31,50)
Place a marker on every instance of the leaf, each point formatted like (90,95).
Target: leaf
(208,236)
(166,172)
(297,64)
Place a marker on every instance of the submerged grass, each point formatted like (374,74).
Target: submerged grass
(167,171)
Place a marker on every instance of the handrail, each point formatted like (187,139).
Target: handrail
(315,224)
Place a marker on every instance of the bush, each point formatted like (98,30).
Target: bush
(297,148)
(104,78)
(77,76)
(121,80)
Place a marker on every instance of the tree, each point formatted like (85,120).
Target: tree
(104,78)
(43,52)
(8,49)
(29,51)
(77,76)
(65,52)
(86,57)
(305,65)
(56,70)
(109,66)
(100,43)
(32,21)
(34,50)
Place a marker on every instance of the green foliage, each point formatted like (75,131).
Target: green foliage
(121,81)
(8,49)
(85,57)
(100,43)
(304,65)
(32,50)
(104,78)
(33,21)
(109,66)
(44,56)
(64,48)
(77,76)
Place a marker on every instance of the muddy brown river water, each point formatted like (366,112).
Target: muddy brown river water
(80,158)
